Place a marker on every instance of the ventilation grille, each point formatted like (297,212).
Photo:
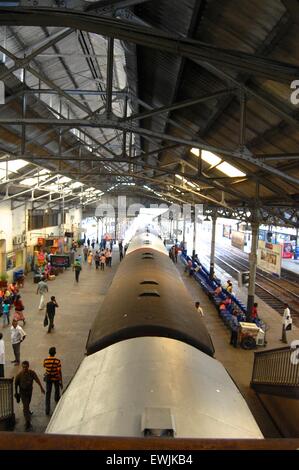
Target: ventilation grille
(147,242)
(149,281)
(147,256)
(152,293)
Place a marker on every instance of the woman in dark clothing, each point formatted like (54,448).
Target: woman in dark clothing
(19,309)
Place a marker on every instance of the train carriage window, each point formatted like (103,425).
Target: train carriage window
(153,293)
(149,281)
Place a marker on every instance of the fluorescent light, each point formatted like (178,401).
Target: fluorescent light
(210,158)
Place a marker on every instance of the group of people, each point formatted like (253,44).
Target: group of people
(173,253)
(9,299)
(24,384)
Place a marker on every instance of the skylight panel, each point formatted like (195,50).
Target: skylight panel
(230,170)
(220,165)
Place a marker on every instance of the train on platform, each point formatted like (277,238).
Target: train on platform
(149,368)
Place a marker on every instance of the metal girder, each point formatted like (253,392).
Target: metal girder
(110,53)
(21,63)
(144,36)
(179,105)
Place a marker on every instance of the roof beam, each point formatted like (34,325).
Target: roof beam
(194,50)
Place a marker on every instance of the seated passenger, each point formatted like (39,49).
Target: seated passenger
(218,290)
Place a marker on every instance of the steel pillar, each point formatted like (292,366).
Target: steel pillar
(212,256)
(252,267)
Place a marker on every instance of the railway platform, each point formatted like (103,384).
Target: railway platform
(237,361)
(78,305)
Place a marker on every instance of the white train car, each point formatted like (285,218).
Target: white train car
(149,368)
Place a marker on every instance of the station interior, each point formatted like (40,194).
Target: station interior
(171,129)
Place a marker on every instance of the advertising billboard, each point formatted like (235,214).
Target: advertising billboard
(60,261)
(238,239)
(269,257)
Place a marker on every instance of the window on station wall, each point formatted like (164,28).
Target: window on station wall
(43,218)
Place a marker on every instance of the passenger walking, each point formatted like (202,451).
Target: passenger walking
(52,377)
(121,253)
(102,261)
(97,259)
(77,268)
(2,355)
(5,312)
(199,309)
(19,310)
(51,310)
(23,389)
(17,336)
(89,259)
(85,253)
(286,323)
(42,289)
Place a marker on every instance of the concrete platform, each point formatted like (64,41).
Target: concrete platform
(291,265)
(237,361)
(78,305)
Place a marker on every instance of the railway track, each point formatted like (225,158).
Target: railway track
(271,292)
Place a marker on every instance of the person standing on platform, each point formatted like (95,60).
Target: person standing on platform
(17,336)
(89,258)
(51,310)
(254,314)
(286,323)
(85,253)
(234,330)
(2,355)
(199,309)
(77,268)
(52,377)
(23,389)
(42,289)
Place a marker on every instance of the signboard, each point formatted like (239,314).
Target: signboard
(287,250)
(60,261)
(269,257)
(238,239)
(69,234)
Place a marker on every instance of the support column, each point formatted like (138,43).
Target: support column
(212,256)
(184,229)
(252,267)
(194,234)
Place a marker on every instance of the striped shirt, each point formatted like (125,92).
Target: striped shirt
(53,368)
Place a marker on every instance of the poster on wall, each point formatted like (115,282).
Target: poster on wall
(287,250)
(10,261)
(238,239)
(269,257)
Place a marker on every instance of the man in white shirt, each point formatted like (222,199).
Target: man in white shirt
(286,321)
(17,336)
(42,288)
(2,355)
(199,309)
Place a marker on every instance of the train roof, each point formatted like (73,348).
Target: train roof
(154,383)
(148,298)
(145,240)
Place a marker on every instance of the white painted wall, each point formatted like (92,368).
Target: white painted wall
(6,223)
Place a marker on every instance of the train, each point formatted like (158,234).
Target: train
(149,368)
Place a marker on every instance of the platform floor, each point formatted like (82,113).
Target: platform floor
(237,361)
(78,305)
